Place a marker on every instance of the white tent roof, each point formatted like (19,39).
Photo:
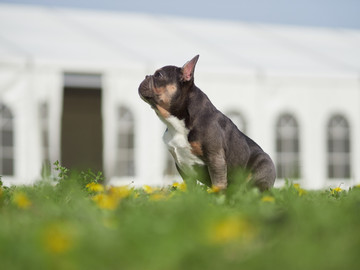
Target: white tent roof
(68,37)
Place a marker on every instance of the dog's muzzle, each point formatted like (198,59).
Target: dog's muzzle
(146,89)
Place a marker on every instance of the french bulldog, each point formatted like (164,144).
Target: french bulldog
(205,144)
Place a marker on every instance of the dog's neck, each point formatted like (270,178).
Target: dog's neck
(173,123)
(185,113)
(176,125)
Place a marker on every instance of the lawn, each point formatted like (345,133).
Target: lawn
(73,222)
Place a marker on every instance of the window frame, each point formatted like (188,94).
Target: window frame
(7,149)
(287,145)
(338,148)
(125,143)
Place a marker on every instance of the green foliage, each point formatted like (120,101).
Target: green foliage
(79,223)
(62,171)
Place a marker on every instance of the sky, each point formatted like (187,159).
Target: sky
(318,13)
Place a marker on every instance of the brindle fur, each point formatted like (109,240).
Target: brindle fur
(212,136)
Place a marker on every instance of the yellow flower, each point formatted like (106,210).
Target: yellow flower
(157,197)
(183,186)
(120,192)
(58,239)
(268,199)
(336,190)
(95,187)
(21,200)
(180,186)
(299,189)
(213,189)
(149,190)
(105,201)
(229,230)
(176,184)
(302,191)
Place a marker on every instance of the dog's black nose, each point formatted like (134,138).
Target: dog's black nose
(147,76)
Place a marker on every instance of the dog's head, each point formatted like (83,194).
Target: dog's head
(167,89)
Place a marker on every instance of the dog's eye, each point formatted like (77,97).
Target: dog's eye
(158,74)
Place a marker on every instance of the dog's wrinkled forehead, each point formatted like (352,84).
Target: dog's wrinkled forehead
(167,74)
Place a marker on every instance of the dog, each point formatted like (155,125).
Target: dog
(205,144)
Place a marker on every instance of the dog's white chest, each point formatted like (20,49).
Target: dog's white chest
(176,139)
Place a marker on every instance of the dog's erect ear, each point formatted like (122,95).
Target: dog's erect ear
(188,69)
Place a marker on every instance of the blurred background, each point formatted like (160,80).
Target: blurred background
(286,72)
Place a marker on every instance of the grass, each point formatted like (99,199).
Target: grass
(76,223)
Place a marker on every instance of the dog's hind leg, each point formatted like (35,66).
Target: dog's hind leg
(263,173)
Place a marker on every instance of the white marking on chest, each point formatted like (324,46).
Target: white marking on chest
(176,139)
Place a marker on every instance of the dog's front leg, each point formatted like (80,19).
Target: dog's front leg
(218,170)
(189,180)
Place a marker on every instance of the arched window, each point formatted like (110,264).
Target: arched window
(125,156)
(238,120)
(338,147)
(287,147)
(6,141)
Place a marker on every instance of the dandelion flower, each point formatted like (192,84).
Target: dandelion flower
(296,186)
(268,199)
(299,189)
(105,201)
(230,229)
(180,186)
(148,189)
(336,191)
(120,192)
(176,184)
(157,197)
(302,192)
(95,187)
(213,189)
(21,200)
(183,186)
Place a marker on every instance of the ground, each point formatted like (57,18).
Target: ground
(74,222)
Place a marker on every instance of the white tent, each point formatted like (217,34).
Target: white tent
(260,70)
(111,39)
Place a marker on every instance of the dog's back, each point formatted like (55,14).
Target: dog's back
(242,154)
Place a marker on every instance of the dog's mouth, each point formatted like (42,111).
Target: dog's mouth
(146,99)
(145,92)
